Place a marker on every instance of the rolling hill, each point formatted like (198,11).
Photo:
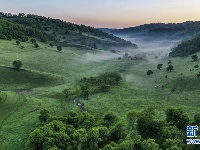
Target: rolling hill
(87,96)
(183,30)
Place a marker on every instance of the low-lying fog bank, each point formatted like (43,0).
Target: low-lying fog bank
(101,56)
(148,49)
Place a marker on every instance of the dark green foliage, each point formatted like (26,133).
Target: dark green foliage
(10,31)
(36,45)
(22,47)
(176,117)
(159,66)
(149,72)
(169,62)
(98,137)
(118,132)
(59,48)
(170,68)
(108,147)
(18,42)
(196,66)
(87,121)
(49,136)
(170,132)
(39,27)
(104,88)
(92,85)
(81,131)
(173,144)
(150,144)
(17,64)
(83,42)
(126,145)
(94,46)
(186,48)
(33,41)
(109,119)
(72,119)
(194,57)
(146,125)
(197,119)
(44,116)
(51,44)
(131,119)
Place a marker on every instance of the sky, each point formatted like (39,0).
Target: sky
(108,13)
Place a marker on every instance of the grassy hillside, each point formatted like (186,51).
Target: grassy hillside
(58,32)
(47,72)
(84,60)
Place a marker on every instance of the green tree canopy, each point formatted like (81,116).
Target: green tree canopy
(194,57)
(59,48)
(149,72)
(17,64)
(175,116)
(159,66)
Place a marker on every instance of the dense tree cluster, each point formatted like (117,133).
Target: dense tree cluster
(81,130)
(89,86)
(42,25)
(186,48)
(9,30)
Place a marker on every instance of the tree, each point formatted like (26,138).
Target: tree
(118,131)
(33,41)
(170,68)
(86,94)
(83,42)
(170,132)
(18,42)
(17,64)
(149,72)
(146,125)
(117,78)
(175,116)
(48,136)
(36,45)
(51,44)
(196,66)
(126,145)
(94,46)
(59,48)
(169,62)
(109,119)
(131,119)
(194,57)
(173,144)
(159,66)
(150,144)
(104,88)
(44,116)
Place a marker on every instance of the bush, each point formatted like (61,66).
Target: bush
(17,64)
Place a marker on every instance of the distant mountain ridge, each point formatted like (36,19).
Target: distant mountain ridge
(170,30)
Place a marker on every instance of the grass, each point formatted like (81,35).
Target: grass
(48,72)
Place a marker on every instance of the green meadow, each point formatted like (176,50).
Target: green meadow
(46,73)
